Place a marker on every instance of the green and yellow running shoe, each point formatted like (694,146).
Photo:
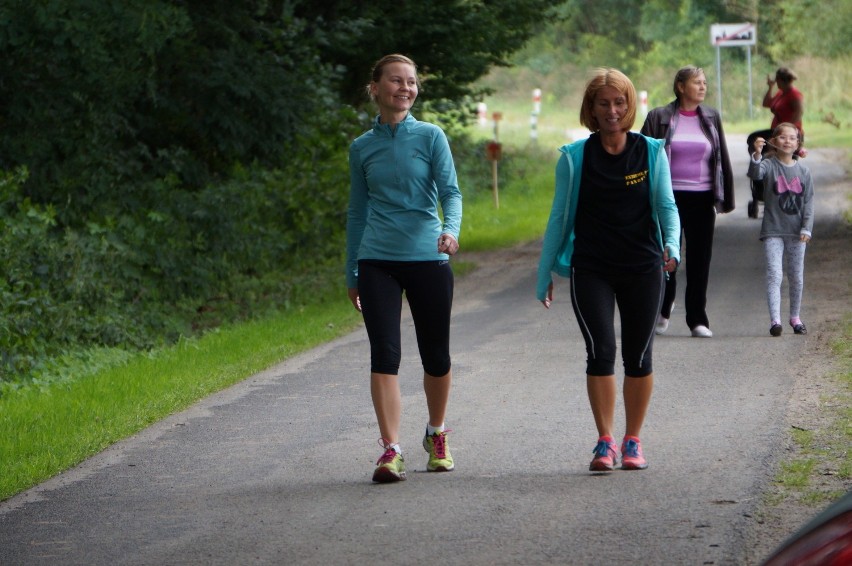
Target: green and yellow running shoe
(440,459)
(390,467)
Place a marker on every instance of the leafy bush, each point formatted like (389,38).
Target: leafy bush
(97,96)
(174,263)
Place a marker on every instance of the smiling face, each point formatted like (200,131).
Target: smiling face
(395,91)
(786,140)
(609,109)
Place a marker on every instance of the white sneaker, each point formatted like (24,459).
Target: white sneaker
(702,331)
(663,322)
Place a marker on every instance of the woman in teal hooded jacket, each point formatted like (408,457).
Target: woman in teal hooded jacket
(612,207)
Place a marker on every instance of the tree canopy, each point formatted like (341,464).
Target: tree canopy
(650,40)
(97,94)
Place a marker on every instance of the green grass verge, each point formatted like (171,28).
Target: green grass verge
(522,206)
(829,445)
(44,430)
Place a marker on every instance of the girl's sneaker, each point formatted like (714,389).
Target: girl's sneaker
(800,328)
(775,329)
(631,454)
(606,455)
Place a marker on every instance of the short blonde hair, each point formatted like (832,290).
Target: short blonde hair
(603,77)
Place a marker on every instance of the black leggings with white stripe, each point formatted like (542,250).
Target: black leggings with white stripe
(594,297)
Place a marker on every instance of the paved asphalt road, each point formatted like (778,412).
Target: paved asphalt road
(276,470)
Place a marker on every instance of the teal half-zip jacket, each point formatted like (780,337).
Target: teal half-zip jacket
(398,176)
(558,245)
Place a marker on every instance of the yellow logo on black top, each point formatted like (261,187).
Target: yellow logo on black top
(636,178)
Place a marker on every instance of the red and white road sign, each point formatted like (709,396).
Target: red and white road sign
(729,35)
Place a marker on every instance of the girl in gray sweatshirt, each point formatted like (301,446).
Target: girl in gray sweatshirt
(788,220)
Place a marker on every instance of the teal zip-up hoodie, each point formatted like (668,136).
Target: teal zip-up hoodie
(397,178)
(558,245)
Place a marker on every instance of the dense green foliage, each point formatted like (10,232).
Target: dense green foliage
(650,40)
(453,42)
(816,28)
(637,36)
(173,165)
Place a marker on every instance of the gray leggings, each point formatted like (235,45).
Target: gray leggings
(784,252)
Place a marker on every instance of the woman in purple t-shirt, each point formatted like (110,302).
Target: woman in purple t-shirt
(703,184)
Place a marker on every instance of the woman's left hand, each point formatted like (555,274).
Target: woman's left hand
(669,264)
(355,297)
(447,244)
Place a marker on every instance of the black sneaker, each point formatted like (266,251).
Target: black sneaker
(775,329)
(800,328)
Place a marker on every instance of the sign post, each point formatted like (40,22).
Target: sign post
(536,97)
(732,35)
(482,113)
(494,152)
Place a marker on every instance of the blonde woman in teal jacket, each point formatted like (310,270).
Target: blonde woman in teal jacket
(612,206)
(398,244)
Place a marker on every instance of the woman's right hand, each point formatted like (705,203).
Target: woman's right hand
(355,298)
(770,80)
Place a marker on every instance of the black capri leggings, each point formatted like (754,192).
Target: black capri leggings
(428,286)
(638,296)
